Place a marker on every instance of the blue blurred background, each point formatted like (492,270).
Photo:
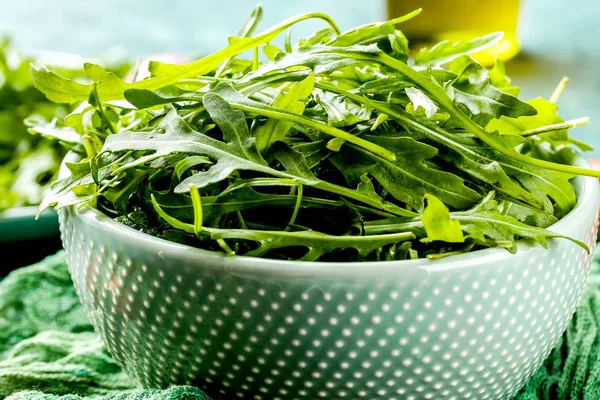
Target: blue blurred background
(558,37)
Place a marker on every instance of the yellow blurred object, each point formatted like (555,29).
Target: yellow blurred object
(455,20)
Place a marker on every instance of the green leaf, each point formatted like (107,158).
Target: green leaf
(58,89)
(301,157)
(473,88)
(398,46)
(438,224)
(409,179)
(321,59)
(237,198)
(500,80)
(547,115)
(174,135)
(420,100)
(142,98)
(271,51)
(444,52)
(239,153)
(313,152)
(234,127)
(370,33)
(52,130)
(527,215)
(340,110)
(385,86)
(246,30)
(484,223)
(190,162)
(318,37)
(292,100)
(64,192)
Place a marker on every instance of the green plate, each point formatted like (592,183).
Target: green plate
(19,224)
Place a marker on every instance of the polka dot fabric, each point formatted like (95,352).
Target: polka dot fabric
(475,327)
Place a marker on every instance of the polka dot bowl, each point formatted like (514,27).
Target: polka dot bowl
(469,326)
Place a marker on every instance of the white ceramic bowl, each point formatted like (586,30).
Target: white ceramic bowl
(473,326)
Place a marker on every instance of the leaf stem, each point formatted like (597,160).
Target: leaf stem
(394,224)
(330,130)
(334,89)
(574,123)
(246,30)
(242,220)
(296,207)
(225,247)
(88,144)
(354,195)
(559,89)
(101,110)
(197,204)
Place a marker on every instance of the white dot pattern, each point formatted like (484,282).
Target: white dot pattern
(470,333)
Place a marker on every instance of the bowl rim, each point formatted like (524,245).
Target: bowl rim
(588,199)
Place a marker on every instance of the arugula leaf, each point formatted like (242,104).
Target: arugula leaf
(293,101)
(438,224)
(473,88)
(215,207)
(444,52)
(52,130)
(370,33)
(500,80)
(247,29)
(385,86)
(493,139)
(409,178)
(245,104)
(238,154)
(420,100)
(341,111)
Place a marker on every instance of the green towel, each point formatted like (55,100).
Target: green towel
(48,350)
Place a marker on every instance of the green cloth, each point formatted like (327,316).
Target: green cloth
(173,393)
(48,350)
(48,344)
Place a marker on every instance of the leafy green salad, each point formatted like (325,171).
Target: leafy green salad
(340,146)
(28,162)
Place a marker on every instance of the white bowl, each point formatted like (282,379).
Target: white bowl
(476,325)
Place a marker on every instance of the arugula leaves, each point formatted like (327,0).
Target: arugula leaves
(483,224)
(339,148)
(111,87)
(30,132)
